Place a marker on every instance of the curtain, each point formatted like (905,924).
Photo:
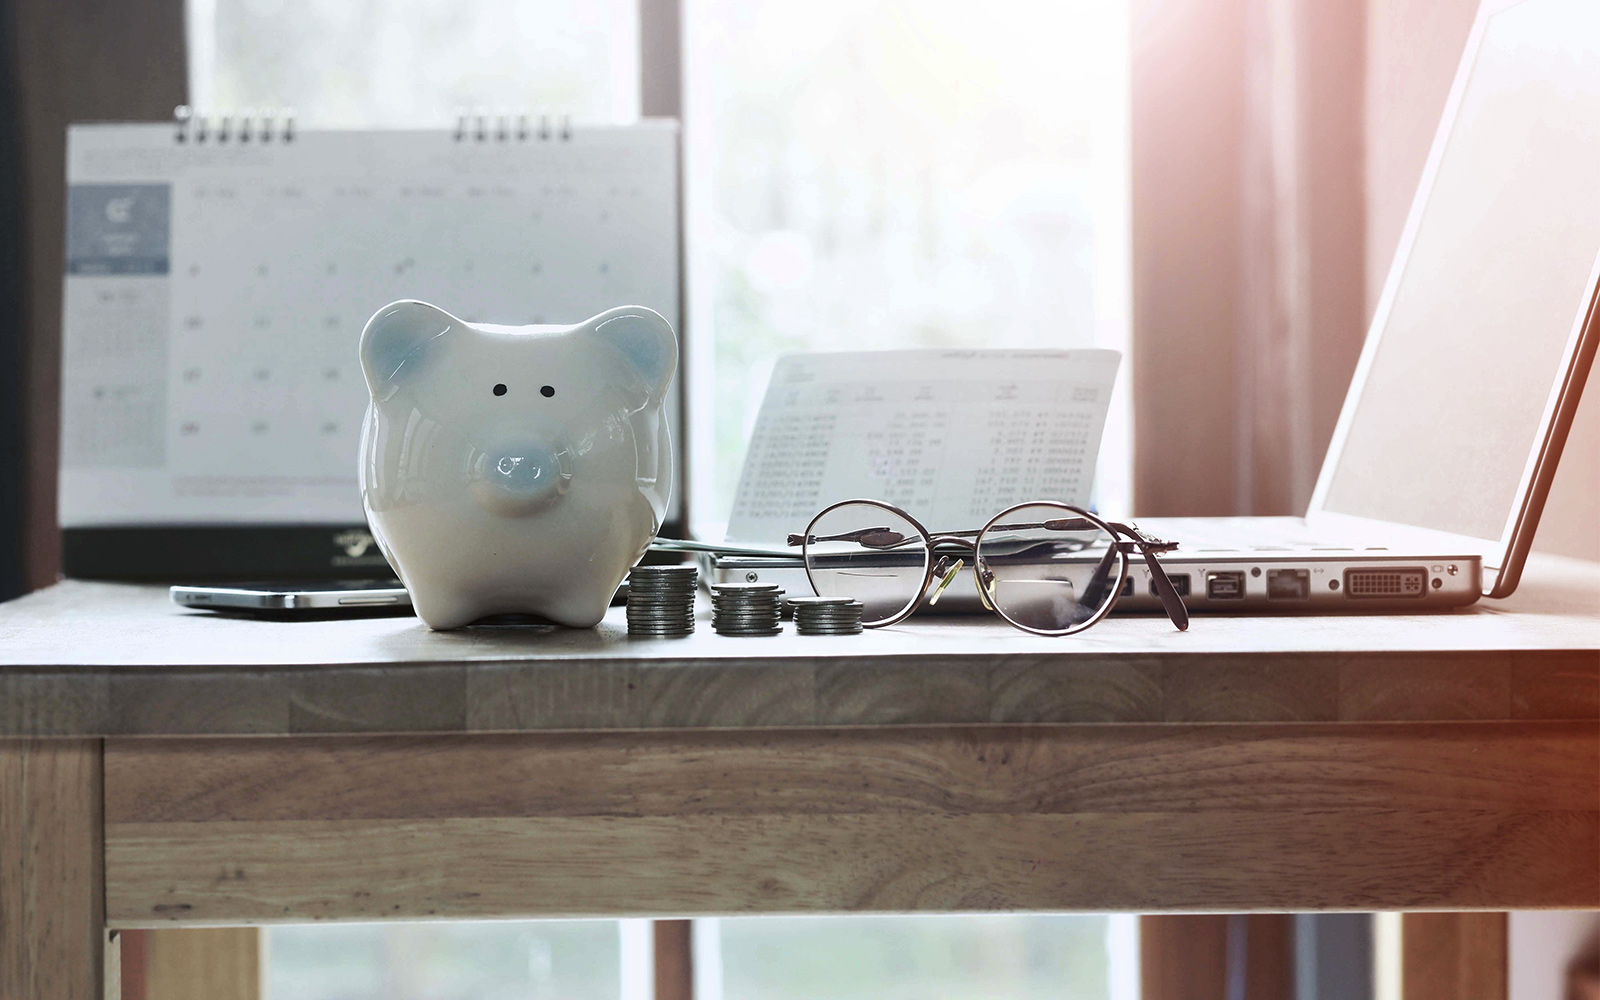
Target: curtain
(1248,247)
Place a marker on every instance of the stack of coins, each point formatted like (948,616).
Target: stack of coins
(746,608)
(826,615)
(661,600)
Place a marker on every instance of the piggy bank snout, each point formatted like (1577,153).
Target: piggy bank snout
(520,479)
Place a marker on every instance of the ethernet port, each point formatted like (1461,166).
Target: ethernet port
(1225,586)
(1288,584)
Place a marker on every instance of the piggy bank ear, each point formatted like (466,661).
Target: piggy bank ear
(397,342)
(646,343)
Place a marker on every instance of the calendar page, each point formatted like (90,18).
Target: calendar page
(952,437)
(215,292)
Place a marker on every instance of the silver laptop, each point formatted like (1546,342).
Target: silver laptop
(1438,469)
(1448,440)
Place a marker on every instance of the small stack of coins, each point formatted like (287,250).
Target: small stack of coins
(661,600)
(746,608)
(826,615)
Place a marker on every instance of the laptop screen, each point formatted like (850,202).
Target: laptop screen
(1492,289)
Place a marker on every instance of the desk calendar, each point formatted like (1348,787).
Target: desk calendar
(216,286)
(953,437)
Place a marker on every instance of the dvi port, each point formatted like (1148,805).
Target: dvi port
(1375,583)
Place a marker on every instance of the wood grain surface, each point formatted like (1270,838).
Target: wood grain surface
(1201,817)
(52,918)
(117,660)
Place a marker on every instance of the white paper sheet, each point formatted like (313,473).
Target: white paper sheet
(215,294)
(952,437)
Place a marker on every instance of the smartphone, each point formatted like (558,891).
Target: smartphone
(287,596)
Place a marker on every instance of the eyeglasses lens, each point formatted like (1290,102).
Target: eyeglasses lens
(1044,567)
(868,553)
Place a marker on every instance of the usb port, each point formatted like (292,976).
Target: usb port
(1127,587)
(1180,583)
(1225,586)
(1288,584)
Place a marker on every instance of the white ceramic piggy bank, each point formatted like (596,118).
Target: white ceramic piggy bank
(515,469)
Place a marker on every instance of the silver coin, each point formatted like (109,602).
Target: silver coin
(675,569)
(822,602)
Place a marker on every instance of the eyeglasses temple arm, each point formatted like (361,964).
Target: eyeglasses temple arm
(1093,594)
(1166,591)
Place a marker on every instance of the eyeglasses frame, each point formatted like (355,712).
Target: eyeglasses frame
(1136,540)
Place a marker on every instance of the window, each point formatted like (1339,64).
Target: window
(898,173)
(500,960)
(1017,957)
(360,63)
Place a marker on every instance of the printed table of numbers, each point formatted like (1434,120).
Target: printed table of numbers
(953,437)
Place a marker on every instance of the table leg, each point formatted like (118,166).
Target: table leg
(52,883)
(203,963)
(1453,956)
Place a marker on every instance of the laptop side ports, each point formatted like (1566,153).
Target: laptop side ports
(1227,586)
(1409,581)
(1180,583)
(1288,585)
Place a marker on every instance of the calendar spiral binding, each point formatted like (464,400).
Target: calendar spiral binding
(247,125)
(267,125)
(485,125)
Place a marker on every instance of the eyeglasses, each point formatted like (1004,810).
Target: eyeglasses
(1048,568)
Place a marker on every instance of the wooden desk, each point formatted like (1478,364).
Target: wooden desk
(161,767)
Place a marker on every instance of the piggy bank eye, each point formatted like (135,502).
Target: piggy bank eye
(500,389)
(547,391)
